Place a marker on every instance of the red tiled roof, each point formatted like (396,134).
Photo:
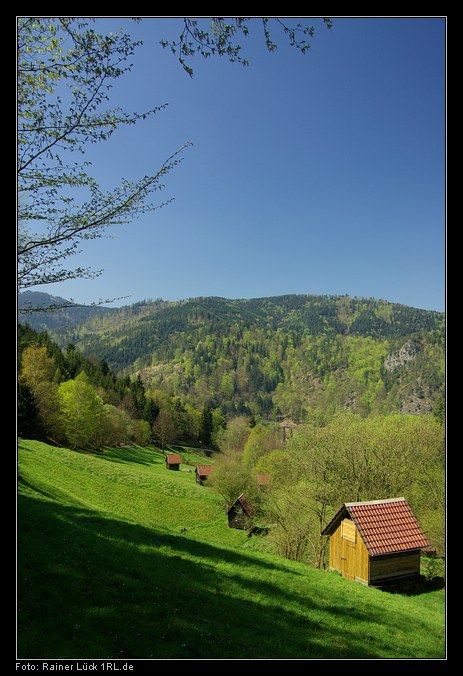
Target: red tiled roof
(385,526)
(204,470)
(245,504)
(173,459)
(263,479)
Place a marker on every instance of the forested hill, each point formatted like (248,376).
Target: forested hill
(278,356)
(64,314)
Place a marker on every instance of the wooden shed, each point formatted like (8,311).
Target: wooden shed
(202,472)
(375,542)
(240,513)
(173,461)
(263,480)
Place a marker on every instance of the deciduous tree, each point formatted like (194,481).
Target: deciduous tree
(163,428)
(230,478)
(221,38)
(233,437)
(262,439)
(65,73)
(82,409)
(293,522)
(36,366)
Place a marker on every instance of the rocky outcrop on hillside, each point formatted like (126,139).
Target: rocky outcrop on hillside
(407,353)
(417,403)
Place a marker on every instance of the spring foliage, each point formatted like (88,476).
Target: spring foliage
(341,458)
(66,71)
(275,357)
(69,398)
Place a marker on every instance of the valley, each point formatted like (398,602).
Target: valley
(121,559)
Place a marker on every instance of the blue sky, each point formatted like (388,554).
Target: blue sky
(320,173)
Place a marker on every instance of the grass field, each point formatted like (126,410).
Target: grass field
(119,557)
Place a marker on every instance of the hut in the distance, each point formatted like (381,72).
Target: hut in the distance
(173,461)
(240,513)
(202,472)
(263,480)
(376,542)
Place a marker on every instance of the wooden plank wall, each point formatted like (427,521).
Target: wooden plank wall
(392,566)
(362,562)
(348,553)
(336,550)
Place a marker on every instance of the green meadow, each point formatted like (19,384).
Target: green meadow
(119,557)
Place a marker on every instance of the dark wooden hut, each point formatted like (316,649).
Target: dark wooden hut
(173,461)
(202,472)
(240,513)
(376,542)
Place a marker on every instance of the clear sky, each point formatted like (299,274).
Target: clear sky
(320,173)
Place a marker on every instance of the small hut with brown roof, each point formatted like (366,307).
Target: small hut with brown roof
(375,542)
(173,461)
(263,480)
(240,513)
(202,472)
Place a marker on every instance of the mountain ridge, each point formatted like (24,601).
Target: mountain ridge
(276,355)
(41,300)
(44,312)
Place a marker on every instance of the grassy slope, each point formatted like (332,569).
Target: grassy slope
(120,558)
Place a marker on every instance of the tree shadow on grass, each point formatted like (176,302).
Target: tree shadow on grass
(192,450)
(131,454)
(47,494)
(413,587)
(91,587)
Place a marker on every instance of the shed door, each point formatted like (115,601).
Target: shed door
(348,549)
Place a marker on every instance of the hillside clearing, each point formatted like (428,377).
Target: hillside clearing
(120,558)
